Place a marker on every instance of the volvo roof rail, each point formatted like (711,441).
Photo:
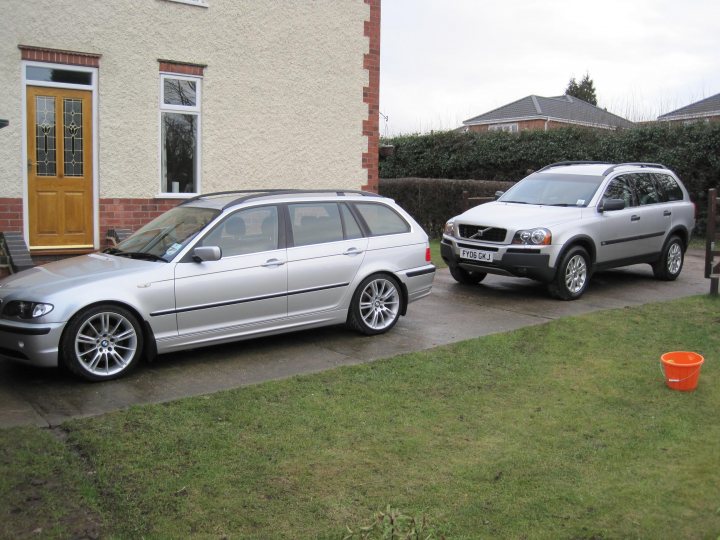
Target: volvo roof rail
(638,164)
(568,163)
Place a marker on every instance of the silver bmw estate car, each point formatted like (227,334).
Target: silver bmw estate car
(217,268)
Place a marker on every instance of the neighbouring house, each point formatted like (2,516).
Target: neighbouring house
(119,110)
(537,113)
(705,110)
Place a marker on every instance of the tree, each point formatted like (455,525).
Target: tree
(585,90)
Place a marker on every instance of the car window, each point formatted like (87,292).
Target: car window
(315,223)
(668,188)
(350,224)
(645,189)
(553,190)
(381,219)
(618,188)
(248,231)
(167,234)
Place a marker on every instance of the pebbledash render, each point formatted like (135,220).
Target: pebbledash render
(121,110)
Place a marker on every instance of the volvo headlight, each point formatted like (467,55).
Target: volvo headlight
(22,309)
(450,228)
(533,237)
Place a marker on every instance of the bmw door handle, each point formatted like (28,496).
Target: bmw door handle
(273,263)
(667,213)
(635,218)
(352,251)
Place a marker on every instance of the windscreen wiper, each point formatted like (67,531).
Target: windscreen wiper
(133,254)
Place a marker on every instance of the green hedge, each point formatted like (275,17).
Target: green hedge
(432,201)
(692,151)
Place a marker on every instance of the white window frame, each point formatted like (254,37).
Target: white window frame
(508,128)
(194,110)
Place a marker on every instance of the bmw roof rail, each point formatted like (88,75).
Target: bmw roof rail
(568,163)
(248,194)
(638,164)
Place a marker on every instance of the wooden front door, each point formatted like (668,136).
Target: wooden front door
(60,171)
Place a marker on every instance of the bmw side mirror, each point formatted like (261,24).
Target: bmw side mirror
(609,205)
(207,254)
(499,194)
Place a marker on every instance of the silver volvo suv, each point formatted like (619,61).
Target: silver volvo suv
(570,219)
(219,268)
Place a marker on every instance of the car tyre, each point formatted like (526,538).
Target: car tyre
(466,277)
(375,306)
(671,261)
(572,276)
(102,342)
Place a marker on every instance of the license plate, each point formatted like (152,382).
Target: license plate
(476,255)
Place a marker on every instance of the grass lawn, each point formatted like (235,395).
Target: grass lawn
(564,430)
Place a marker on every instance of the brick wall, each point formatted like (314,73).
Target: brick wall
(371,96)
(527,125)
(130,213)
(56,56)
(11,214)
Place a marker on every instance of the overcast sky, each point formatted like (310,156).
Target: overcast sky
(445,61)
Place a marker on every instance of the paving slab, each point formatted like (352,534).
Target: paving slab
(453,312)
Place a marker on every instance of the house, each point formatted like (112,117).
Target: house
(119,110)
(705,110)
(539,113)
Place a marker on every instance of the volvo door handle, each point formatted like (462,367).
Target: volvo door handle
(635,218)
(353,251)
(667,213)
(273,263)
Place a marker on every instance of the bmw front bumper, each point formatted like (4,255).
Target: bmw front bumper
(30,343)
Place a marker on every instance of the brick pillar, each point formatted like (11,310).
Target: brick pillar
(371,96)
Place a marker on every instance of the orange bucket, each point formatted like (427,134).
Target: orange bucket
(682,369)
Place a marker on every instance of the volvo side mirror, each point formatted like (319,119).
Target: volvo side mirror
(609,205)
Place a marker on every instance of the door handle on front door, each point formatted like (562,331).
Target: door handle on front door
(667,213)
(273,263)
(352,251)
(635,218)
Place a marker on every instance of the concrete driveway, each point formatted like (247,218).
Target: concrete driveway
(31,396)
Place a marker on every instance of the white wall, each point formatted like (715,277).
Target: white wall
(281,97)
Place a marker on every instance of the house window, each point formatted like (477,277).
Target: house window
(509,128)
(180,133)
(58,75)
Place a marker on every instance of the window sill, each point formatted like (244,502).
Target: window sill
(176,195)
(200,3)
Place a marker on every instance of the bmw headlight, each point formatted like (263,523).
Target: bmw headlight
(21,309)
(533,237)
(450,228)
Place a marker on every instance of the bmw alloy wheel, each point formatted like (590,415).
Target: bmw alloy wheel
(376,305)
(379,304)
(102,342)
